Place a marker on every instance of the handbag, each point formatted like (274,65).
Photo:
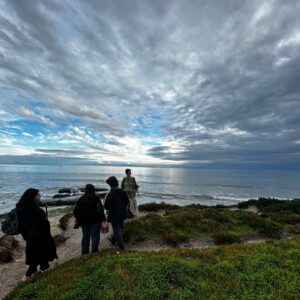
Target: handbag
(104,227)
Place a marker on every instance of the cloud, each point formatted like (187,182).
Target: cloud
(152,81)
(30,115)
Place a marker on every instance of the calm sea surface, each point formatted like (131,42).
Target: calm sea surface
(172,185)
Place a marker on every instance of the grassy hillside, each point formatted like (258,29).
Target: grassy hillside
(265,271)
(275,219)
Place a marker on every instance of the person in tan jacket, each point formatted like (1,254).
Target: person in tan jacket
(130,186)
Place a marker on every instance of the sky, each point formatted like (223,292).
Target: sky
(178,83)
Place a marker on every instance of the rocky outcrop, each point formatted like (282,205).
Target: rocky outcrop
(68,190)
(97,190)
(7,246)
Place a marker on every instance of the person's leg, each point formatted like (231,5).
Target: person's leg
(95,228)
(31,270)
(136,208)
(118,235)
(131,206)
(44,266)
(86,236)
(112,240)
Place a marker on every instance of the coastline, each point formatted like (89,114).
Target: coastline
(69,239)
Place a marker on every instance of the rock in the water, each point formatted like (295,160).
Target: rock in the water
(68,190)
(61,196)
(96,189)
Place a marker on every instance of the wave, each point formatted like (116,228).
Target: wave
(178,196)
(192,197)
(231,185)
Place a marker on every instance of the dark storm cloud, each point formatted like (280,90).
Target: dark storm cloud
(221,78)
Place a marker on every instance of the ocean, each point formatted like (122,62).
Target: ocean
(172,185)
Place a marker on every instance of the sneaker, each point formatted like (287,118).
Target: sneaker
(25,278)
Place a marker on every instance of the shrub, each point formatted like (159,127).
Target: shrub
(260,203)
(64,221)
(287,218)
(154,207)
(292,206)
(226,238)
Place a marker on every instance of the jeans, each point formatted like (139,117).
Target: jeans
(117,235)
(90,232)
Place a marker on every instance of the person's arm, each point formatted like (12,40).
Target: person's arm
(123,184)
(126,199)
(135,184)
(102,214)
(76,210)
(39,225)
(107,202)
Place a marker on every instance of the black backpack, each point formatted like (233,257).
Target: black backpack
(10,223)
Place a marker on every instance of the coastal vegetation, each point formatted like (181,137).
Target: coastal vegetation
(224,225)
(268,268)
(260,271)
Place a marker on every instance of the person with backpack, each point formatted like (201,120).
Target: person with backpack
(89,213)
(116,203)
(35,229)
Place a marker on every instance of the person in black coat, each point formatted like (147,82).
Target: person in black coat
(116,202)
(89,213)
(35,229)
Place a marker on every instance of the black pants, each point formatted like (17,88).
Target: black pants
(33,268)
(117,235)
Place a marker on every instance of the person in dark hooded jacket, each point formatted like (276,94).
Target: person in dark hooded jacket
(35,229)
(116,203)
(89,213)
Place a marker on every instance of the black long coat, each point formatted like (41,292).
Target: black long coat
(89,210)
(35,229)
(116,202)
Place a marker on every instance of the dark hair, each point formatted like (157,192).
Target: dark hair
(127,171)
(112,181)
(27,198)
(89,198)
(89,189)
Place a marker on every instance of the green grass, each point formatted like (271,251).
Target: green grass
(223,225)
(266,271)
(59,211)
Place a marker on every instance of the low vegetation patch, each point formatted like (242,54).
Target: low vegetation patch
(183,223)
(154,207)
(265,271)
(272,205)
(59,211)
(280,211)
(64,221)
